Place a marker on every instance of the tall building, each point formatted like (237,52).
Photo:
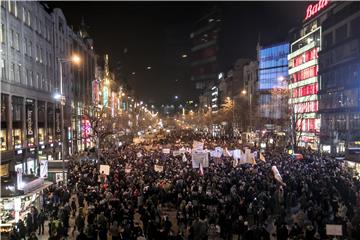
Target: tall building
(28,129)
(273,73)
(339,72)
(306,42)
(204,51)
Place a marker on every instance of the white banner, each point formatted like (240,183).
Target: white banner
(43,168)
(176,153)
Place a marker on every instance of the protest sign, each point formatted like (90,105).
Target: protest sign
(333,230)
(200,157)
(105,169)
(176,153)
(166,150)
(158,168)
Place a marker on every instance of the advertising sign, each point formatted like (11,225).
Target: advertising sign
(30,118)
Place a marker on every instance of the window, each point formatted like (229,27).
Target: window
(41,55)
(355,29)
(18,73)
(37,56)
(37,80)
(2,35)
(25,46)
(12,72)
(43,83)
(29,19)
(30,78)
(24,15)
(328,40)
(30,49)
(3,71)
(17,41)
(26,75)
(12,38)
(341,33)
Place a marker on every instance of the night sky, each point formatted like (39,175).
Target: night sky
(156,34)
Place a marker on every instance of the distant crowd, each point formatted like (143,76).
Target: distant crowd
(134,201)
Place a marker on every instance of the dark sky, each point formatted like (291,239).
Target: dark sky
(156,34)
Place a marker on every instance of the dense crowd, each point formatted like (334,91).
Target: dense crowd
(226,202)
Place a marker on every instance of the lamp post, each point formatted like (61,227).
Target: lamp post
(60,97)
(244,92)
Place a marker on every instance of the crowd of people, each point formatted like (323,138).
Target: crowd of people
(226,202)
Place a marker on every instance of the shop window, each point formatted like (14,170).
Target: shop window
(17,138)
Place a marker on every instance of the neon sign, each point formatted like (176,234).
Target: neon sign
(313,9)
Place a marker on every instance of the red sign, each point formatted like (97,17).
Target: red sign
(313,9)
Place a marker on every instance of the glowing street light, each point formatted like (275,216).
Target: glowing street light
(243,92)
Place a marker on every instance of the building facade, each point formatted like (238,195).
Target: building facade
(33,39)
(204,51)
(306,42)
(28,123)
(273,73)
(339,72)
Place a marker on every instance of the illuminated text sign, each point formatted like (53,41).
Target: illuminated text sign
(313,9)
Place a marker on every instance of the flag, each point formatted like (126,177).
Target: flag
(277,175)
(262,158)
(201,170)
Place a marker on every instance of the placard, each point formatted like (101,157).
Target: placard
(198,157)
(333,230)
(176,153)
(166,150)
(158,168)
(105,169)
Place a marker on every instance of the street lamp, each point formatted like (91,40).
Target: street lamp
(244,92)
(61,98)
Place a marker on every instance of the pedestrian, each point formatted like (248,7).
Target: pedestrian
(41,222)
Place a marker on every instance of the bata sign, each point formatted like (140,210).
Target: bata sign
(313,9)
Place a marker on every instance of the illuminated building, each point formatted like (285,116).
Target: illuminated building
(272,74)
(303,74)
(339,71)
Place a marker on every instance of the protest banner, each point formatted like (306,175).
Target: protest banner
(176,153)
(158,168)
(334,230)
(105,169)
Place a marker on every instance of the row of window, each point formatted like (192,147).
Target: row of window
(305,90)
(347,74)
(342,32)
(40,27)
(41,55)
(306,107)
(338,121)
(305,74)
(273,78)
(347,98)
(303,58)
(25,76)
